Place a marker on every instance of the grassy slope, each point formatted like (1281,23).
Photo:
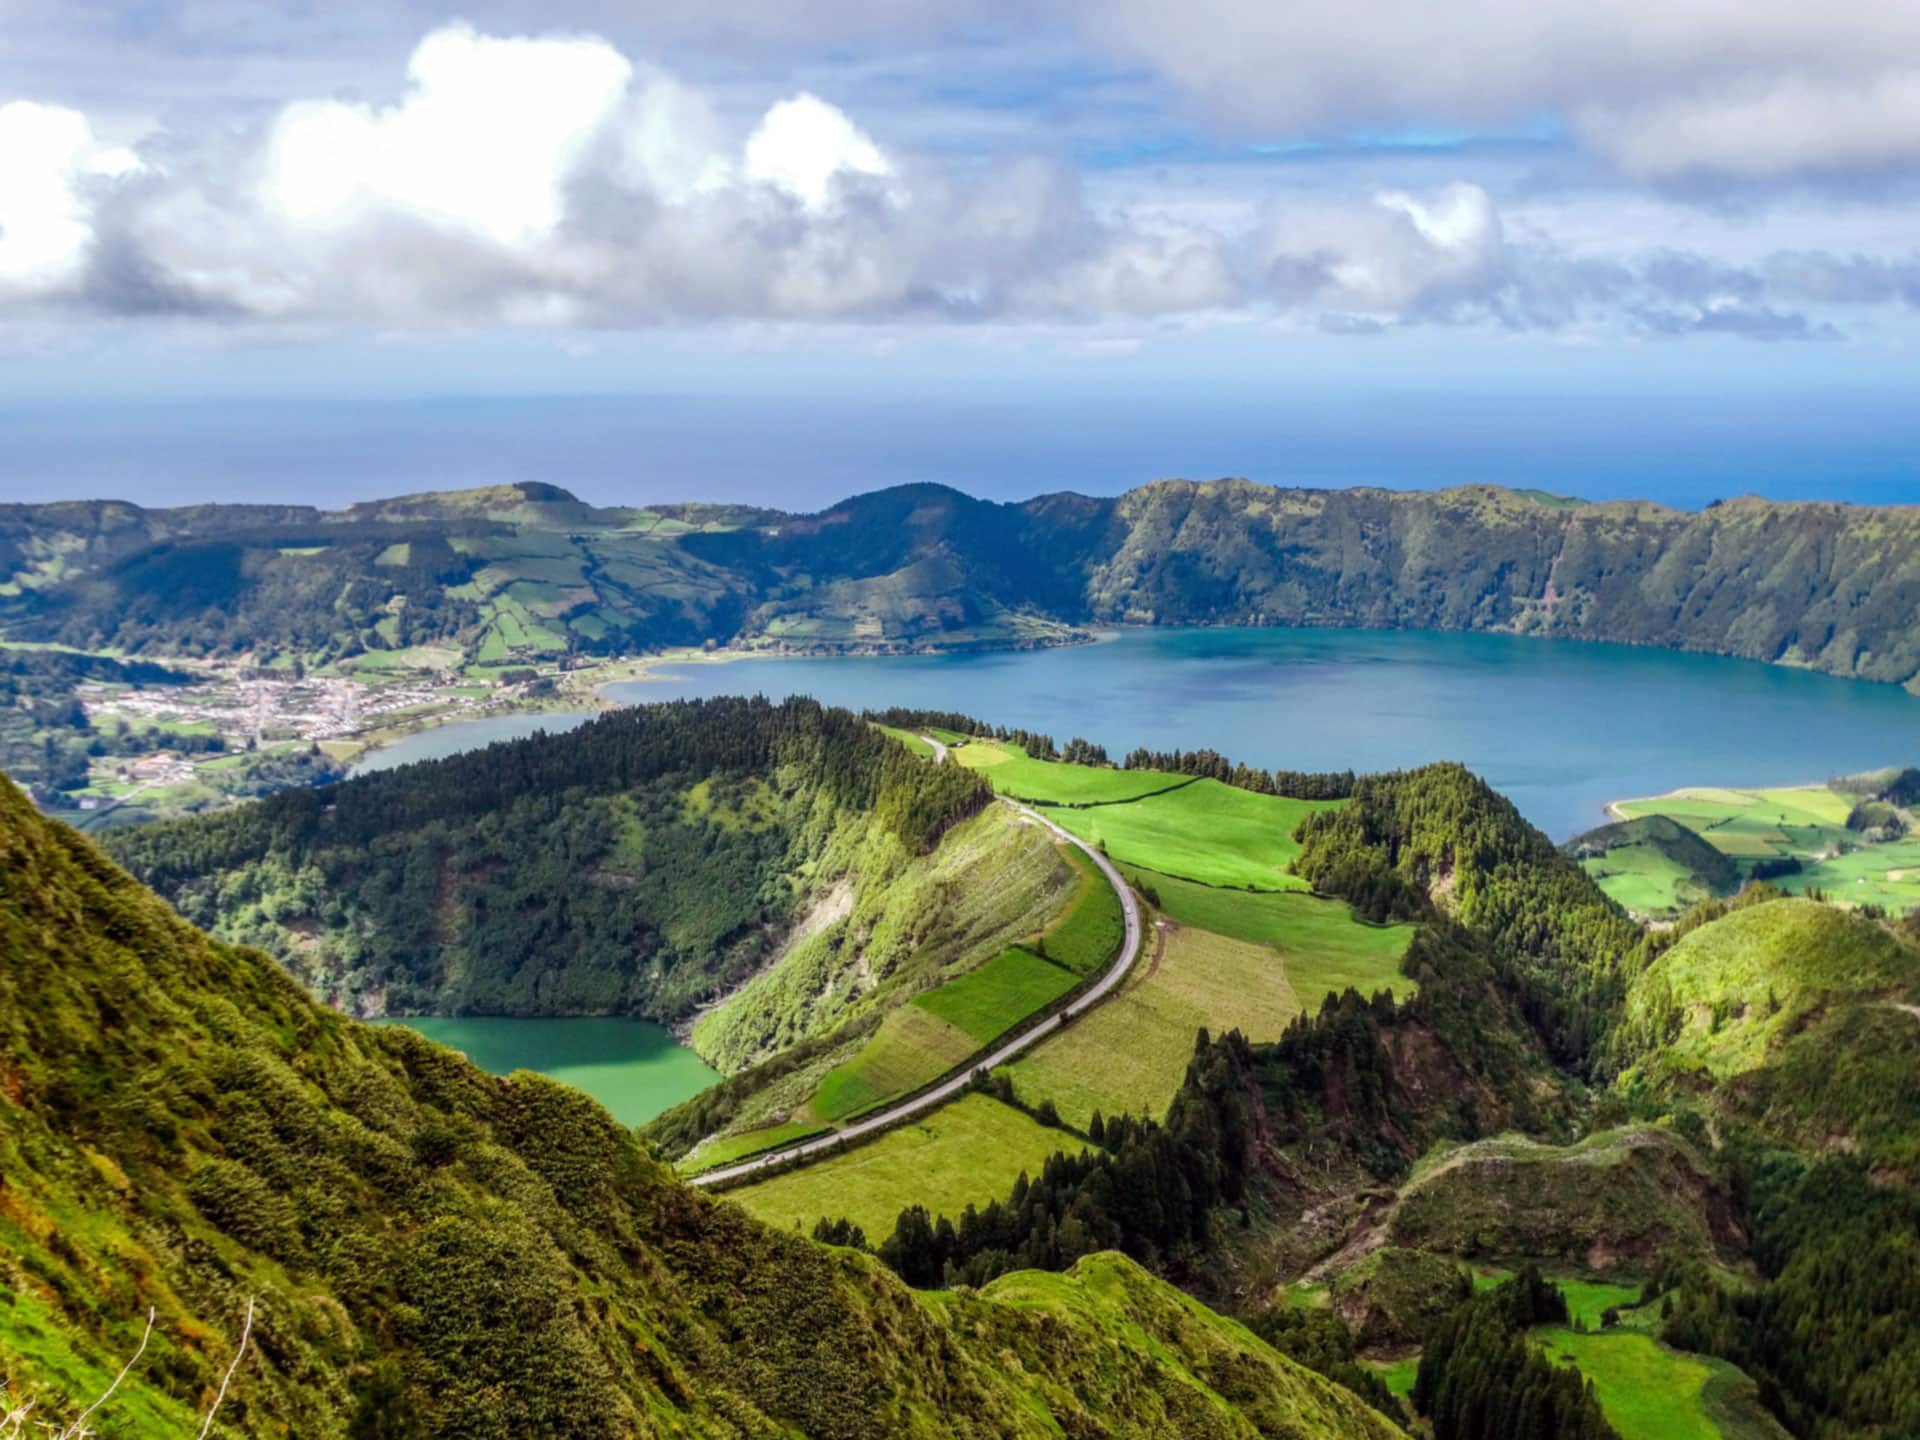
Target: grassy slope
(1324,947)
(1807,823)
(184,1128)
(1765,967)
(988,1001)
(1130,1054)
(1652,1392)
(965,1153)
(909,921)
(1619,1198)
(921,1041)
(1206,831)
(1012,772)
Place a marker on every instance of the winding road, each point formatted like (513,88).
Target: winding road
(960,1082)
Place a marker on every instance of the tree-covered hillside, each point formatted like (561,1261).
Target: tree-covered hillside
(429,1251)
(526,571)
(637,865)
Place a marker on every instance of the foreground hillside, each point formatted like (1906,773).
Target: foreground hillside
(432,1251)
(523,572)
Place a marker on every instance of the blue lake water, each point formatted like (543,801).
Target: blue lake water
(1559,726)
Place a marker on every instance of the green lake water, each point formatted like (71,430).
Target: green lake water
(633,1067)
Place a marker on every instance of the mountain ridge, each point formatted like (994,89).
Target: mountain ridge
(1814,584)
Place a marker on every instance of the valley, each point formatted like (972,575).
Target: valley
(1328,1050)
(1315,1046)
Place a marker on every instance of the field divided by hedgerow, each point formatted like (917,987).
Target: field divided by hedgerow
(1130,1053)
(1013,773)
(1324,948)
(1207,831)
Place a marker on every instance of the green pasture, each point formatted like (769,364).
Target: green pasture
(912,741)
(1012,772)
(1086,937)
(1207,831)
(989,1000)
(1130,1054)
(969,1152)
(1324,948)
(912,1047)
(738,1147)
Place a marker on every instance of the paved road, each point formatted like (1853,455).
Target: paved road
(947,1090)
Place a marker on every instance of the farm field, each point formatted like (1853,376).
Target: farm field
(1014,773)
(1324,947)
(912,1047)
(987,1001)
(1206,831)
(1651,1392)
(1086,937)
(739,1147)
(1644,879)
(969,1152)
(1130,1054)
(1807,824)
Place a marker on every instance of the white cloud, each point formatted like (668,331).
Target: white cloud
(805,146)
(1662,88)
(488,134)
(48,158)
(557,182)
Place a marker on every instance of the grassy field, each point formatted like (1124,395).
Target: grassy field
(1806,823)
(1644,879)
(738,1147)
(986,1002)
(1130,1053)
(969,1152)
(911,1048)
(1324,947)
(912,741)
(1205,831)
(1011,771)
(1650,1392)
(1087,935)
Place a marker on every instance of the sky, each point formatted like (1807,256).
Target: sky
(753,250)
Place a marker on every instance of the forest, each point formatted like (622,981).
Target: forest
(634,866)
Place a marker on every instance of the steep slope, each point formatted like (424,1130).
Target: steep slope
(1654,866)
(637,865)
(1832,587)
(1793,1018)
(434,1251)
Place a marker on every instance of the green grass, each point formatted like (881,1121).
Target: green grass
(1805,823)
(911,1048)
(1206,831)
(1645,879)
(1587,1300)
(912,741)
(1397,1375)
(1011,771)
(738,1147)
(969,1152)
(1651,1392)
(1130,1053)
(988,1001)
(1086,938)
(1763,968)
(1324,947)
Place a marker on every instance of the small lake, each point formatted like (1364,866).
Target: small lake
(633,1067)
